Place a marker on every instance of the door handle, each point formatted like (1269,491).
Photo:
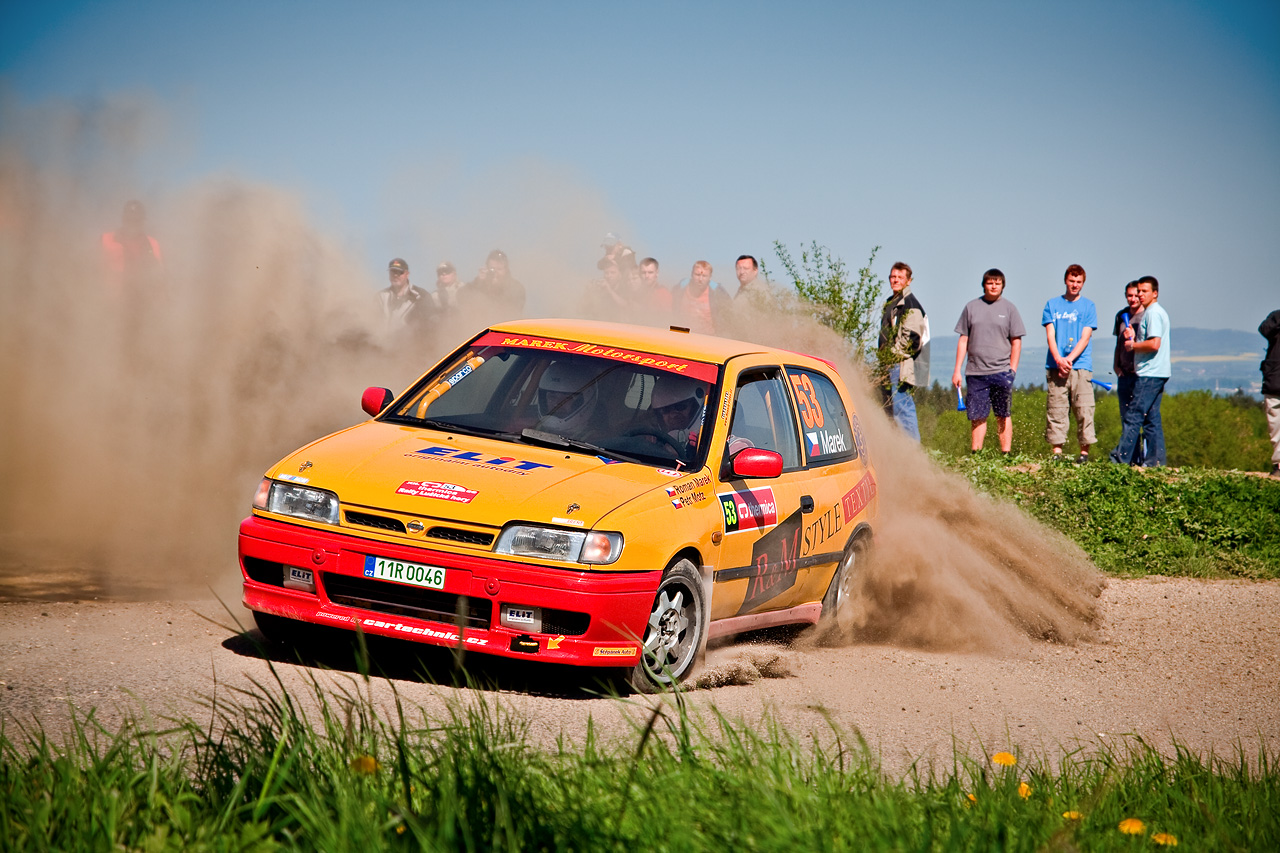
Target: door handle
(806,504)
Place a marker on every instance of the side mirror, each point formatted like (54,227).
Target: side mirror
(374,400)
(754,462)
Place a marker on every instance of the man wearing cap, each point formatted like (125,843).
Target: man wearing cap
(494,285)
(445,298)
(613,251)
(403,305)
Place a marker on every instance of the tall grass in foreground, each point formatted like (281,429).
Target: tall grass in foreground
(266,774)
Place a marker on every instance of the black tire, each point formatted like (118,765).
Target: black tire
(675,637)
(836,621)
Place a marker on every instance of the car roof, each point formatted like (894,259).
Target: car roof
(664,341)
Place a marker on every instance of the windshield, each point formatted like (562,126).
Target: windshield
(619,404)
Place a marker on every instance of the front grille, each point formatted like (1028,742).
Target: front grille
(454,534)
(431,604)
(366,519)
(565,622)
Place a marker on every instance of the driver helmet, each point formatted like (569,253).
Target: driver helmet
(678,403)
(566,396)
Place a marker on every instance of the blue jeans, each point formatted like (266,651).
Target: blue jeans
(899,403)
(1124,393)
(1143,416)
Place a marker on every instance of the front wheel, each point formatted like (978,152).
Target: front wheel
(676,633)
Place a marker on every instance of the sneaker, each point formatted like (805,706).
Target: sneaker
(1082,458)
(1059,457)
(1275,471)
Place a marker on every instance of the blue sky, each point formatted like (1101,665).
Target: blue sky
(1130,137)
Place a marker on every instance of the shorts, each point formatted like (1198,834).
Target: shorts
(989,393)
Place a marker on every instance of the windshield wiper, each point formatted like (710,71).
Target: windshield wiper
(552,439)
(448,426)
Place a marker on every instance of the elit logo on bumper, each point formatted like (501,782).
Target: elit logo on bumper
(475,459)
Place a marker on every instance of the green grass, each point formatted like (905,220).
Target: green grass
(267,777)
(1188,522)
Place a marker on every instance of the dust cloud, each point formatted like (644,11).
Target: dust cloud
(137,425)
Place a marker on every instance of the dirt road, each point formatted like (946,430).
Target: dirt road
(1195,661)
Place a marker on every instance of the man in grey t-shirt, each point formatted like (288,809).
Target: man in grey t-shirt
(990,345)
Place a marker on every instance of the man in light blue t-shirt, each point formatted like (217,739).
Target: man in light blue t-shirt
(1069,322)
(1152,362)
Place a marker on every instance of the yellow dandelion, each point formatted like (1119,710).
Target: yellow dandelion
(1024,790)
(400,829)
(1165,838)
(365,765)
(1072,815)
(1132,826)
(971,800)
(1004,759)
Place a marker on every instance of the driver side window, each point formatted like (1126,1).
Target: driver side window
(762,416)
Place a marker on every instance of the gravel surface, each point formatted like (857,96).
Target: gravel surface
(1196,662)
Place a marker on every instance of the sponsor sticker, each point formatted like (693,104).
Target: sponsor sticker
(614,651)
(520,615)
(572,522)
(293,478)
(422,631)
(671,364)
(859,440)
(748,509)
(383,569)
(856,499)
(668,472)
(440,491)
(475,459)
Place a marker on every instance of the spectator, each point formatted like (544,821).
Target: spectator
(1270,329)
(653,296)
(403,305)
(748,272)
(1151,347)
(989,348)
(1069,322)
(494,284)
(613,250)
(607,296)
(1122,360)
(445,297)
(133,260)
(699,303)
(904,331)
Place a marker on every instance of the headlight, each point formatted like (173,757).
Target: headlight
(566,546)
(298,501)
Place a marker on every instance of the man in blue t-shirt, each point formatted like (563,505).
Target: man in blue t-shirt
(1069,322)
(1152,350)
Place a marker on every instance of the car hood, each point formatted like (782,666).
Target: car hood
(465,478)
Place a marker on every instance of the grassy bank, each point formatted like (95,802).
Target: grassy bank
(1189,522)
(268,778)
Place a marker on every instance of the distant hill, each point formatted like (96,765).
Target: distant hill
(1218,360)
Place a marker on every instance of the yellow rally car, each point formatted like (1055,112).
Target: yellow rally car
(586,493)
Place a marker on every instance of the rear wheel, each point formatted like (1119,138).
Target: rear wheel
(675,635)
(837,605)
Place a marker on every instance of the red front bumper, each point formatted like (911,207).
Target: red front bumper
(596,617)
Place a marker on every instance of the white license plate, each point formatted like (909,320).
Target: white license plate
(384,569)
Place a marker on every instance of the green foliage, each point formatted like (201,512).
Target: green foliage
(265,777)
(1134,522)
(850,308)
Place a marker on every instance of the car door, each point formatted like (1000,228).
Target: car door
(758,568)
(834,479)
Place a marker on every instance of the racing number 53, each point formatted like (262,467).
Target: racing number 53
(807,398)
